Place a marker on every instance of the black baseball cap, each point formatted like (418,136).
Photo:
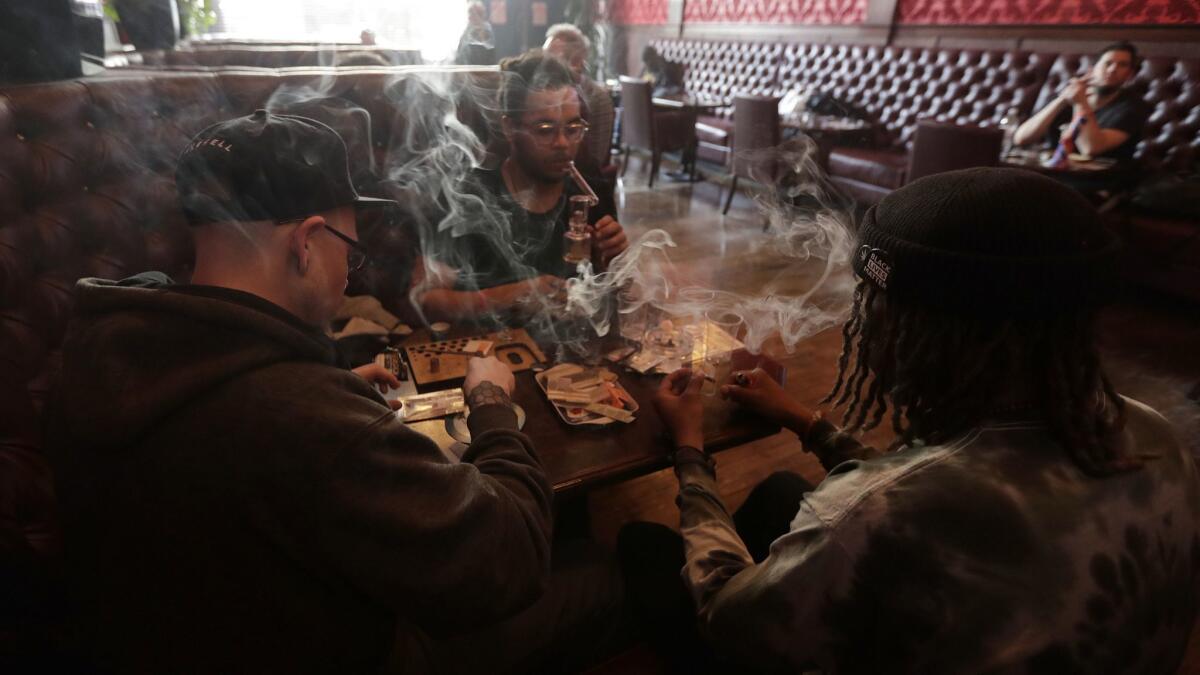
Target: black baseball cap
(265,167)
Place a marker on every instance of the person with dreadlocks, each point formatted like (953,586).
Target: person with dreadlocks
(1027,518)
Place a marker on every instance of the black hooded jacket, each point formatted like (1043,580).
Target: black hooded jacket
(233,501)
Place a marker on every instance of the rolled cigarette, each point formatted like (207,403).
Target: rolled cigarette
(610,412)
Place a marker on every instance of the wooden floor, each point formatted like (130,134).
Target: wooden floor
(1150,346)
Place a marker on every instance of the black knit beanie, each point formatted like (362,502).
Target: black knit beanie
(1007,243)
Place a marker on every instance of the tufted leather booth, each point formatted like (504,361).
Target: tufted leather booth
(895,86)
(899,87)
(86,189)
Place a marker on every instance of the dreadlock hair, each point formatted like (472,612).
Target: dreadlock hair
(938,373)
(978,291)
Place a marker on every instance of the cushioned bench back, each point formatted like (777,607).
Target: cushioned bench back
(725,69)
(897,87)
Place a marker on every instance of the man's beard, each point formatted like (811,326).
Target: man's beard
(1106,89)
(534,170)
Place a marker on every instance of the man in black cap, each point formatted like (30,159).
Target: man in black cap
(1026,520)
(234,500)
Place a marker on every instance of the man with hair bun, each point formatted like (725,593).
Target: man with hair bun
(499,247)
(1027,518)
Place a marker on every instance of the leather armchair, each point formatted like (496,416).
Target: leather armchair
(938,147)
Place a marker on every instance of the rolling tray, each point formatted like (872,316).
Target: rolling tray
(519,353)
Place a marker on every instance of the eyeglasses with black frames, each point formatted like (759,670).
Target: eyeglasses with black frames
(356,257)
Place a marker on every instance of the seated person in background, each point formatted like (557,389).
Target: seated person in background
(1104,118)
(1028,519)
(477,45)
(502,241)
(667,76)
(234,500)
(568,43)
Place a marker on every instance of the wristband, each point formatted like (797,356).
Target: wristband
(686,454)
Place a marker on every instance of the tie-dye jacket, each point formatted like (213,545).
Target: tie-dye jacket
(990,554)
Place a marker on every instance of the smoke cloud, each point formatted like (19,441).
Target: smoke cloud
(429,168)
(806,223)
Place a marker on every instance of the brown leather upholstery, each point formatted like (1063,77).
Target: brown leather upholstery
(938,147)
(87,189)
(867,174)
(644,128)
(897,87)
(275,56)
(713,136)
(756,135)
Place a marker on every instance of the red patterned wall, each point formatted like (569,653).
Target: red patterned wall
(637,12)
(1063,12)
(776,11)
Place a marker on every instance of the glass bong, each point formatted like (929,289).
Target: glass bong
(577,240)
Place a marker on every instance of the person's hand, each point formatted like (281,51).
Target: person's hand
(1076,91)
(681,407)
(759,392)
(533,294)
(609,238)
(549,286)
(489,369)
(382,378)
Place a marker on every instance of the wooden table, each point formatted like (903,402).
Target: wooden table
(1035,160)
(827,131)
(579,458)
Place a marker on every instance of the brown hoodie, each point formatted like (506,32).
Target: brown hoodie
(233,501)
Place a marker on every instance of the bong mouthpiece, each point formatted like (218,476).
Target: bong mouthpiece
(583,184)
